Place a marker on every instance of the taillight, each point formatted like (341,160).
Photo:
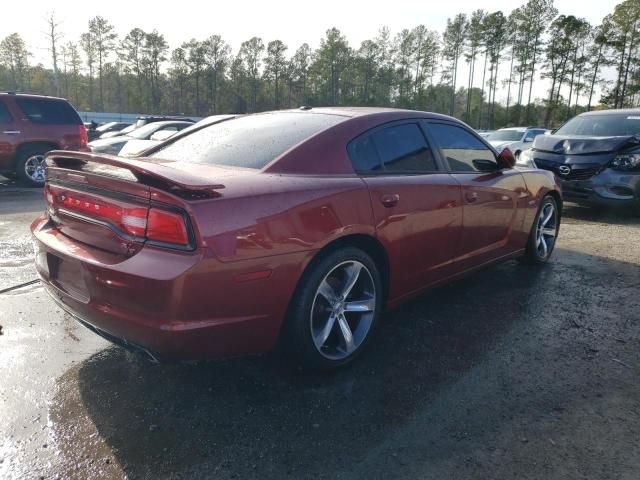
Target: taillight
(167,227)
(153,224)
(84,136)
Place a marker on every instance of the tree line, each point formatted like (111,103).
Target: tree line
(415,68)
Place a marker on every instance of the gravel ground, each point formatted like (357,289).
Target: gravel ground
(515,372)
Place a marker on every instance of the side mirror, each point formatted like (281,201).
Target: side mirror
(506,159)
(528,139)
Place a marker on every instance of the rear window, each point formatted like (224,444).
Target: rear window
(48,112)
(250,142)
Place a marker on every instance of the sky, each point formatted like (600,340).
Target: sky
(292,21)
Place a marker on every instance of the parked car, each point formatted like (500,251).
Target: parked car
(135,147)
(106,128)
(485,133)
(596,155)
(30,126)
(515,139)
(113,145)
(292,226)
(141,122)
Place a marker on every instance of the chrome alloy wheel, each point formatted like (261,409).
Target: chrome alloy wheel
(343,310)
(34,167)
(546,230)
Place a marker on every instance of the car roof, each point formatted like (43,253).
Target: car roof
(622,111)
(367,111)
(32,95)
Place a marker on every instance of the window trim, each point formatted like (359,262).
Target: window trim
(11,117)
(419,123)
(441,156)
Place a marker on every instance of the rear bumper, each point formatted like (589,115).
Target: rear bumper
(608,188)
(172,305)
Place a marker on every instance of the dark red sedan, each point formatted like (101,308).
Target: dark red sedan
(294,226)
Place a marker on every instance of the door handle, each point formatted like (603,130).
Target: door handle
(390,200)
(472,197)
(12,132)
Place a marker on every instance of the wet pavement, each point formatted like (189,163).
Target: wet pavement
(515,372)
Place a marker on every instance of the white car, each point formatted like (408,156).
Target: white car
(515,139)
(135,147)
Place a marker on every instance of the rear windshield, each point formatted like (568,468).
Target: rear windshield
(250,142)
(610,125)
(48,112)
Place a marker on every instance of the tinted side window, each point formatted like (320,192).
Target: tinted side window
(48,112)
(5,116)
(403,148)
(364,155)
(394,149)
(463,151)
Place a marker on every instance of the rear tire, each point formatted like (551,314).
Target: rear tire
(334,311)
(636,209)
(30,166)
(544,232)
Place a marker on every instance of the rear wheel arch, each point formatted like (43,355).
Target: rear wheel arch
(368,244)
(31,146)
(24,153)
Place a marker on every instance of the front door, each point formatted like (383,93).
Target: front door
(491,195)
(9,132)
(417,206)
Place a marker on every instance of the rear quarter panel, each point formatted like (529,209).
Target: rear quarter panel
(257,217)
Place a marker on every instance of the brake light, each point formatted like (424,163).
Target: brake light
(84,136)
(152,224)
(166,227)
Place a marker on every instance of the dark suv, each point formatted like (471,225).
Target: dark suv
(30,126)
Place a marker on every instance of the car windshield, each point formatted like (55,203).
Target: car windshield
(616,125)
(128,129)
(505,136)
(146,131)
(106,126)
(250,142)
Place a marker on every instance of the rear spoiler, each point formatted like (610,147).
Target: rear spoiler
(145,172)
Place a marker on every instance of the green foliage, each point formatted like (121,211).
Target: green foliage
(415,68)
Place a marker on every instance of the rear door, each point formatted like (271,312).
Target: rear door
(9,135)
(492,196)
(416,204)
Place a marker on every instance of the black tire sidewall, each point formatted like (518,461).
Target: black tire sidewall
(297,333)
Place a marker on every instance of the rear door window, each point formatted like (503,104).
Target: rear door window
(48,112)
(394,149)
(5,115)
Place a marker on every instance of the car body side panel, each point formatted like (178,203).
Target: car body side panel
(493,214)
(422,231)
(286,214)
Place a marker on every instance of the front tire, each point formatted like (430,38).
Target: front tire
(544,231)
(334,310)
(30,167)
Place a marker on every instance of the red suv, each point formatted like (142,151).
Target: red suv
(30,126)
